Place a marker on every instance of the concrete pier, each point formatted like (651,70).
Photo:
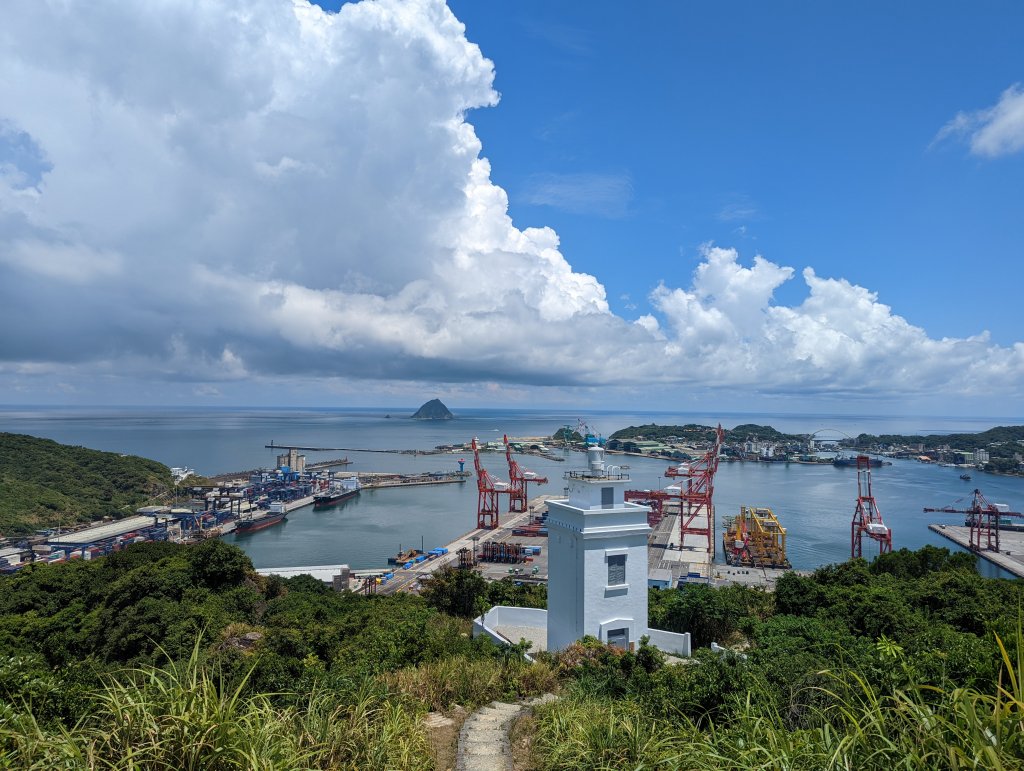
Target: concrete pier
(1011,543)
(406,580)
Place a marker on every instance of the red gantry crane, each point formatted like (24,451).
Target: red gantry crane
(867,519)
(488,490)
(696,509)
(655,499)
(983,519)
(519,478)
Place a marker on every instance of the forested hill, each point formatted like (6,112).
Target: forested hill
(693,432)
(974,441)
(43,482)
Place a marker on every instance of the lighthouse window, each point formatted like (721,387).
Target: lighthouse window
(607,496)
(616,569)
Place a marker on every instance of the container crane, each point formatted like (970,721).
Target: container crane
(696,508)
(654,499)
(488,490)
(983,519)
(520,478)
(867,519)
(590,437)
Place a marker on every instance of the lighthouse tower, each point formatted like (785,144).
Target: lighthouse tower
(597,558)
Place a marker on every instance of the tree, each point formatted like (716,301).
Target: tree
(457,592)
(216,564)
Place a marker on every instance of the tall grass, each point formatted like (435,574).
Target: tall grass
(180,718)
(603,735)
(441,684)
(914,728)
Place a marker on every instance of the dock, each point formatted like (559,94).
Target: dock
(1010,557)
(687,559)
(408,580)
(376,480)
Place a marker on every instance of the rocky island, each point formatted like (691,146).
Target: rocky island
(433,410)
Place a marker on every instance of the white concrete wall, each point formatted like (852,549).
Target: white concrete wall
(565,578)
(503,615)
(537,618)
(670,642)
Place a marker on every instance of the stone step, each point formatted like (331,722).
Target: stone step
(483,741)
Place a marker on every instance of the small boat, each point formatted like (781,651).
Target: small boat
(966,477)
(404,556)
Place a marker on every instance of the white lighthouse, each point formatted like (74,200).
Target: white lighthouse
(597,559)
(597,570)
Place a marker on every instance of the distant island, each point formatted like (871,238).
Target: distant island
(433,410)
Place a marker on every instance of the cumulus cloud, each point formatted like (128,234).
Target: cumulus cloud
(994,131)
(252,190)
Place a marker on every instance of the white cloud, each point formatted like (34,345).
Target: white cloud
(840,340)
(994,131)
(255,190)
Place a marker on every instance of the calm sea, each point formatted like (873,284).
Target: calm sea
(815,503)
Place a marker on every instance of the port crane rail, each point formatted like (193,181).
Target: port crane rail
(867,519)
(983,519)
(696,500)
(488,490)
(519,478)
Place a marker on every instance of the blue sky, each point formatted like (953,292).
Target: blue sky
(790,207)
(802,131)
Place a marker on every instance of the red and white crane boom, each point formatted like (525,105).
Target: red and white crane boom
(520,479)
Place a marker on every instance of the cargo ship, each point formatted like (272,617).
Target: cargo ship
(844,461)
(337,491)
(252,525)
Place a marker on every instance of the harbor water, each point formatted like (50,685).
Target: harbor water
(814,502)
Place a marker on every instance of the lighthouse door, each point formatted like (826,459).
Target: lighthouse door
(619,638)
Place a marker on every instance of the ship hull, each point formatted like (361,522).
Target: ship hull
(852,463)
(252,525)
(322,500)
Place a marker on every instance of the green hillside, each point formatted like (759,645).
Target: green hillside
(693,432)
(980,440)
(44,483)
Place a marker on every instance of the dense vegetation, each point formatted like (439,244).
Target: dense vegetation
(899,663)
(975,441)
(170,656)
(43,483)
(165,656)
(692,432)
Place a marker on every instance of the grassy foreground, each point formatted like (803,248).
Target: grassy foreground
(170,657)
(914,727)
